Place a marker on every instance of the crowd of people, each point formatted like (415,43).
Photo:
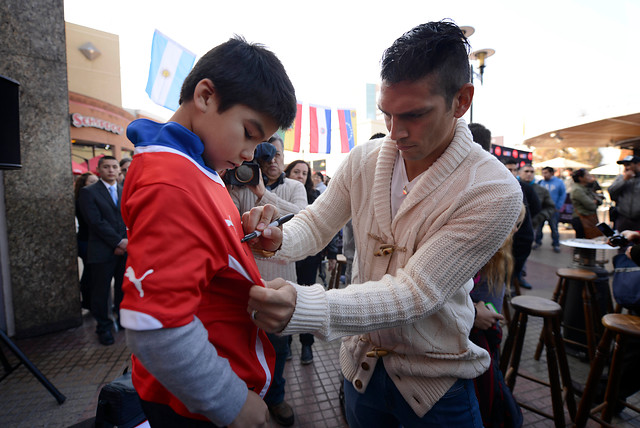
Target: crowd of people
(434,229)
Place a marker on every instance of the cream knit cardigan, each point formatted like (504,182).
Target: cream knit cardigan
(412,305)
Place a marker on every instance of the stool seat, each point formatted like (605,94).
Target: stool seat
(586,280)
(622,323)
(576,274)
(536,306)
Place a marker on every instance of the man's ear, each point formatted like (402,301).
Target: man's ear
(205,96)
(463,99)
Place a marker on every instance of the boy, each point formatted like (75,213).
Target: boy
(196,355)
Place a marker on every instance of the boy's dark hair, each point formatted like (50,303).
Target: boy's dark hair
(105,158)
(248,74)
(549,170)
(435,47)
(481,135)
(377,135)
(319,174)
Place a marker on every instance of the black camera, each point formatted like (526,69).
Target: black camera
(248,174)
(245,174)
(615,239)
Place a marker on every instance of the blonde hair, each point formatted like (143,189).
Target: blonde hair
(499,269)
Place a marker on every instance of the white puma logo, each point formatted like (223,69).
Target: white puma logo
(137,282)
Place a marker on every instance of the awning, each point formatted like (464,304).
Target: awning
(609,169)
(561,163)
(621,131)
(79,168)
(93,164)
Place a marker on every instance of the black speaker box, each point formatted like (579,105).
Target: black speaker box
(9,124)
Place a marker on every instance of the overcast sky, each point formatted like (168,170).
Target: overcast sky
(557,63)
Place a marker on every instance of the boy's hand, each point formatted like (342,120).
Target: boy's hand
(254,413)
(273,305)
(485,317)
(258,219)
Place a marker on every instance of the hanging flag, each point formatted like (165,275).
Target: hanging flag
(292,135)
(170,64)
(347,121)
(320,129)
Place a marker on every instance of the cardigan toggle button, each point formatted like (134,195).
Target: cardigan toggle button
(377,352)
(384,250)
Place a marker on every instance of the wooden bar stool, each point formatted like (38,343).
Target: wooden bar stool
(334,280)
(623,326)
(557,366)
(586,279)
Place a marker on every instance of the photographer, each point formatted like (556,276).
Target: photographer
(633,241)
(289,196)
(625,192)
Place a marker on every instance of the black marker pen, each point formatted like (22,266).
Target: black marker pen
(278,222)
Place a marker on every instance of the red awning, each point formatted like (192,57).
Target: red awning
(93,164)
(79,168)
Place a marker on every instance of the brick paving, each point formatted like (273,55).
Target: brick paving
(79,366)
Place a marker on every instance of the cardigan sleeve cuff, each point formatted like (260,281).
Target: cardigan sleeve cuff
(311,313)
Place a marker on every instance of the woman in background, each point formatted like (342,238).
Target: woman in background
(585,203)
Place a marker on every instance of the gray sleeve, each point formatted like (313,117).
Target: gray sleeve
(187,364)
(616,188)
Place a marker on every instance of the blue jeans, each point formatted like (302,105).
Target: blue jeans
(383,406)
(275,395)
(553,224)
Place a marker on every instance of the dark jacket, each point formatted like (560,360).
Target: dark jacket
(106,227)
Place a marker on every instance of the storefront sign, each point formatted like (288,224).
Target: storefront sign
(80,121)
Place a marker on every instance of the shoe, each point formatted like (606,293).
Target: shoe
(556,249)
(106,338)
(289,355)
(306,356)
(535,246)
(282,413)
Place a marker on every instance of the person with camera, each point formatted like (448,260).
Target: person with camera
(289,196)
(625,192)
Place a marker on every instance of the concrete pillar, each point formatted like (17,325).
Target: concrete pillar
(39,202)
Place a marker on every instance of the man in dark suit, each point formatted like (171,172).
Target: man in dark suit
(106,252)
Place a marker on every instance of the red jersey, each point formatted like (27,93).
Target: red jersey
(185,259)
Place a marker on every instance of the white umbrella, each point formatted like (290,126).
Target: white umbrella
(608,169)
(561,163)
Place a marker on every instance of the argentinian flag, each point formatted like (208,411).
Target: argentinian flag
(170,64)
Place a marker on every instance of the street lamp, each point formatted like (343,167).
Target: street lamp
(480,55)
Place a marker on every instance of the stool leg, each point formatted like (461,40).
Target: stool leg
(588,321)
(565,373)
(507,350)
(613,385)
(554,378)
(506,311)
(602,353)
(558,294)
(512,371)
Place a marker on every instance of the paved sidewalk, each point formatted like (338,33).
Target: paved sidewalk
(79,366)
